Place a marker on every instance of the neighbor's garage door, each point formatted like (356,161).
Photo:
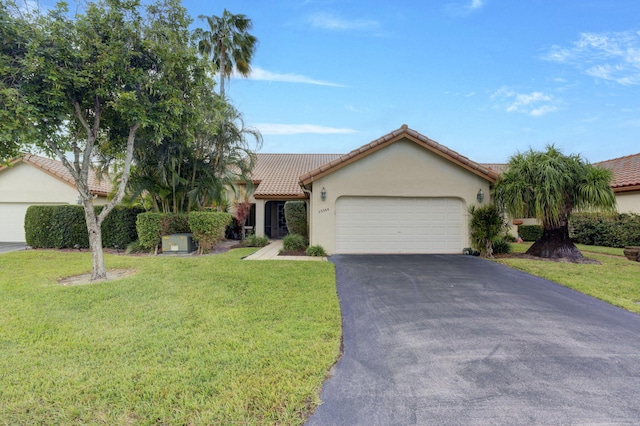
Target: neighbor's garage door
(399,225)
(12,221)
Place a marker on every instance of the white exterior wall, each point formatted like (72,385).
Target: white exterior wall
(24,185)
(402,169)
(628,202)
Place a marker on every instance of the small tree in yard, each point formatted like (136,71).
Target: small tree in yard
(549,186)
(487,223)
(89,84)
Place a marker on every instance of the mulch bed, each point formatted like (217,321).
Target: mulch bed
(293,253)
(583,260)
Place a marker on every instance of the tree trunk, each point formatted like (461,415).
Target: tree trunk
(554,244)
(98,270)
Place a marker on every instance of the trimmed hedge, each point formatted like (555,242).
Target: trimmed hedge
(530,232)
(64,226)
(151,226)
(295,213)
(208,228)
(618,230)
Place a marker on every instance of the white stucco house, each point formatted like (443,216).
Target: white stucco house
(34,180)
(402,193)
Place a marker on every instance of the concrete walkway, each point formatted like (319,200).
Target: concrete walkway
(271,251)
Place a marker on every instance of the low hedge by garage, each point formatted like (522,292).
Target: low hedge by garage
(64,226)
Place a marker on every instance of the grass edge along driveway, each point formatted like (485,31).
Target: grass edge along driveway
(191,340)
(615,280)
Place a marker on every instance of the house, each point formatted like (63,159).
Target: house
(402,193)
(34,180)
(626,181)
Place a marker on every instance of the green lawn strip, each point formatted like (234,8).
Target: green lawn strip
(615,280)
(189,340)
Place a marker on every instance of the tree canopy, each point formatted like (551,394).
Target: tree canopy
(88,84)
(228,43)
(548,185)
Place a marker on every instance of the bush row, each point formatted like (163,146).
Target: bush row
(617,230)
(208,228)
(65,226)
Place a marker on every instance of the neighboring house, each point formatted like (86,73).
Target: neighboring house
(33,180)
(402,193)
(626,181)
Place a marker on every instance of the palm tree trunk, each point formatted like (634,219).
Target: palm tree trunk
(555,243)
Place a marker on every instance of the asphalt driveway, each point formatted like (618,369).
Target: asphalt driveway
(437,339)
(7,247)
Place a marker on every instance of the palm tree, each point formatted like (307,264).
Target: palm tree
(228,43)
(549,186)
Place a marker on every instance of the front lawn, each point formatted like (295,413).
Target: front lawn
(186,340)
(616,280)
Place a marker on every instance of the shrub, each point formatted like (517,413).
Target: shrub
(294,242)
(64,226)
(119,227)
(295,213)
(254,241)
(485,226)
(37,224)
(149,230)
(317,251)
(208,228)
(530,232)
(151,226)
(618,230)
(501,246)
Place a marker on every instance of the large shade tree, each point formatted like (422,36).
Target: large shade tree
(549,186)
(228,43)
(89,83)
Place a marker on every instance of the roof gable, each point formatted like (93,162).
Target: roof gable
(402,133)
(56,169)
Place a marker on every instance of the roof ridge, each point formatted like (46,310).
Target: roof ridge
(624,157)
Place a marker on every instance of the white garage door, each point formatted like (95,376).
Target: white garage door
(12,221)
(399,225)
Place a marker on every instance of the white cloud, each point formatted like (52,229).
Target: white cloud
(535,104)
(611,56)
(328,21)
(264,75)
(464,9)
(475,4)
(295,129)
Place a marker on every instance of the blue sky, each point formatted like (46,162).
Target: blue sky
(486,78)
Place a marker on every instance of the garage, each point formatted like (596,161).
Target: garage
(399,225)
(12,221)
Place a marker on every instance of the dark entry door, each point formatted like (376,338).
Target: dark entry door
(275,224)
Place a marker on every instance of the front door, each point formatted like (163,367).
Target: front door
(275,224)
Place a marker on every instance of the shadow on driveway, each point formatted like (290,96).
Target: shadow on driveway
(452,339)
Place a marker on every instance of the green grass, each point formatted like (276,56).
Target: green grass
(615,280)
(189,341)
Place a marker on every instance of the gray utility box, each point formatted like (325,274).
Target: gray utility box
(178,243)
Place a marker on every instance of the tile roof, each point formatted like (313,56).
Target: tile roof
(278,174)
(626,172)
(496,167)
(389,138)
(57,169)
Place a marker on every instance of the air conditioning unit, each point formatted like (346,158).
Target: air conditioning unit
(178,243)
